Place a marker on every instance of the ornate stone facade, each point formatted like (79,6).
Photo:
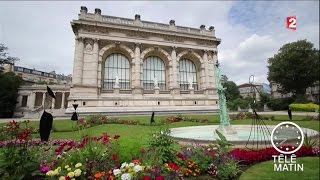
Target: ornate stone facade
(99,37)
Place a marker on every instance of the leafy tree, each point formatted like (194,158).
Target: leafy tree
(9,84)
(232,91)
(295,67)
(8,93)
(4,58)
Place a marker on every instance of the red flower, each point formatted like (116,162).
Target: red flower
(146,178)
(116,137)
(23,135)
(115,156)
(159,177)
(173,166)
(181,156)
(136,161)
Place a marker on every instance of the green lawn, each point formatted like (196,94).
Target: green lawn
(264,170)
(133,137)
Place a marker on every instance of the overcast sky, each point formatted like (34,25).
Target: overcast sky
(40,34)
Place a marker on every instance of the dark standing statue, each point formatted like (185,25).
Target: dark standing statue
(74,116)
(46,120)
(290,114)
(152,118)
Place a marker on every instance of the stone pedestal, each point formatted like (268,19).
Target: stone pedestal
(175,91)
(156,90)
(137,90)
(116,89)
(191,91)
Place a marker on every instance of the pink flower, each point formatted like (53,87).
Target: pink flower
(44,168)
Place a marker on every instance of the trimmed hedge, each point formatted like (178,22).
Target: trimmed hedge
(309,107)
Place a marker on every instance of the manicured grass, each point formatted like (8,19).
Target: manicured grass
(265,170)
(133,137)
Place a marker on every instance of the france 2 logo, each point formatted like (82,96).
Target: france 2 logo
(291,22)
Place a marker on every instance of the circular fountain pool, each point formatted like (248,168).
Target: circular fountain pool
(205,134)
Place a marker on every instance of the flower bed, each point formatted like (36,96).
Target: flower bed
(23,157)
(247,157)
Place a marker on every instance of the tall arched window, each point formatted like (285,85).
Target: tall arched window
(153,67)
(187,72)
(116,65)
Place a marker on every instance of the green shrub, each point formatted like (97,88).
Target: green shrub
(280,104)
(161,147)
(310,107)
(239,102)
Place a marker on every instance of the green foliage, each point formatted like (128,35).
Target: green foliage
(239,102)
(4,58)
(18,162)
(162,146)
(8,93)
(222,142)
(309,142)
(295,67)
(227,166)
(310,107)
(232,92)
(280,104)
(229,169)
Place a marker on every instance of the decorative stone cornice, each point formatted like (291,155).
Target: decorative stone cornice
(144,26)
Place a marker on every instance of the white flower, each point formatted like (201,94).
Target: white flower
(124,165)
(69,169)
(77,172)
(67,166)
(137,168)
(131,165)
(59,156)
(78,165)
(50,173)
(116,171)
(62,178)
(70,174)
(126,176)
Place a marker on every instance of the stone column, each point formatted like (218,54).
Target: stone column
(31,99)
(78,61)
(62,100)
(43,98)
(202,77)
(137,64)
(53,102)
(95,51)
(137,70)
(174,70)
(206,68)
(19,101)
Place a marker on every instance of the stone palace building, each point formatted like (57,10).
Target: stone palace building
(128,66)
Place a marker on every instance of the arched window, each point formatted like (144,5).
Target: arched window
(153,67)
(187,72)
(116,65)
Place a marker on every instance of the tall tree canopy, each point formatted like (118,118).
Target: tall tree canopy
(9,84)
(295,67)
(232,91)
(4,58)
